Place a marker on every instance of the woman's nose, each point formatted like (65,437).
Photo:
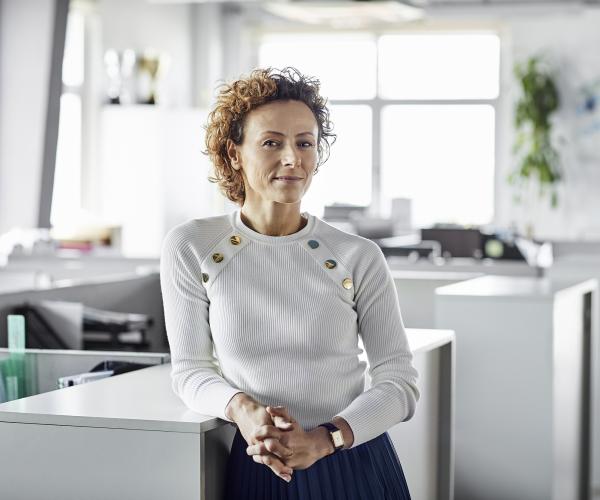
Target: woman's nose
(290,156)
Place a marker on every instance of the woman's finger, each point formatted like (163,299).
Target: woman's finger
(281,423)
(269,445)
(280,410)
(275,465)
(280,416)
(267,431)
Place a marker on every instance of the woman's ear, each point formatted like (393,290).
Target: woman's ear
(233,154)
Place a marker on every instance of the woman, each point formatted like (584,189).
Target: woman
(281,296)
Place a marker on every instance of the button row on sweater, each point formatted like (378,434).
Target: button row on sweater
(219,257)
(331,264)
(234,240)
(314,244)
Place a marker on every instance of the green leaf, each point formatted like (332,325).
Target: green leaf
(539,99)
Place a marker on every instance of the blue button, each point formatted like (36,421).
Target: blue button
(313,243)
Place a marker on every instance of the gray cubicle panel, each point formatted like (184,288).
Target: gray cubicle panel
(129,293)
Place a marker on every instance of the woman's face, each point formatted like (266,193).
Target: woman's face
(278,154)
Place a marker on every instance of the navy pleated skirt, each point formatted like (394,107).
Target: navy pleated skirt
(369,471)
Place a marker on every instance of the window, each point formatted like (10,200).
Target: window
(442,158)
(336,181)
(439,66)
(313,54)
(414,114)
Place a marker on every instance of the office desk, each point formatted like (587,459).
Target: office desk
(131,437)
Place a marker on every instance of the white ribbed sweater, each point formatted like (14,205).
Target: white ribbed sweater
(272,320)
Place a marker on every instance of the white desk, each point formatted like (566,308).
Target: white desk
(526,348)
(416,294)
(463,265)
(131,437)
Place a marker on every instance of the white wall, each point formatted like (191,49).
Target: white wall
(154,175)
(26,29)
(138,25)
(164,141)
(570,42)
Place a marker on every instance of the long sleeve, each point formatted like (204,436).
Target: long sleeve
(393,394)
(196,378)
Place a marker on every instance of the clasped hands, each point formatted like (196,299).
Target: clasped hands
(281,443)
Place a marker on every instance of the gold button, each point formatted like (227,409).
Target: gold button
(217,257)
(330,263)
(347,283)
(235,240)
(204,277)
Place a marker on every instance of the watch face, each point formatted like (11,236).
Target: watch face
(338,439)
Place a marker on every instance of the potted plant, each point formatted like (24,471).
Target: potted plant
(538,160)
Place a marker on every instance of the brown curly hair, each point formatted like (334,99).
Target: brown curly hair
(237,99)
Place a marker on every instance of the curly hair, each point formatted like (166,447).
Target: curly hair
(237,99)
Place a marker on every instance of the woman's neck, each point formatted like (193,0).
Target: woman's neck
(278,220)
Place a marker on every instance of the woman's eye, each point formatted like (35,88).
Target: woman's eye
(306,144)
(269,143)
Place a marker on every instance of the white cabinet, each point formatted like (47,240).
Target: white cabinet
(525,352)
(153,173)
(425,444)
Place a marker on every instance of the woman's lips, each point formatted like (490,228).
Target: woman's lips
(288,179)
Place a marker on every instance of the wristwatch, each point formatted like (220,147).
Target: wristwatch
(336,435)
